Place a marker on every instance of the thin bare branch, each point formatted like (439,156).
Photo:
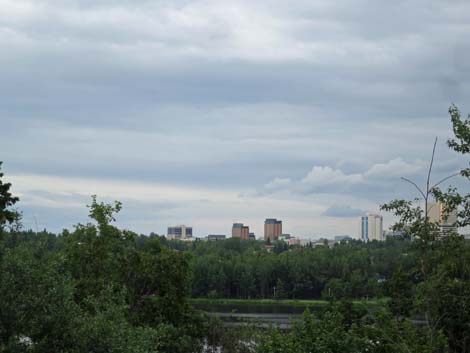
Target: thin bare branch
(430,168)
(415,185)
(446,178)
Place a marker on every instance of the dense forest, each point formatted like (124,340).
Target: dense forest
(98,288)
(244,269)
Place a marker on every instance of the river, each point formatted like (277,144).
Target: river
(261,315)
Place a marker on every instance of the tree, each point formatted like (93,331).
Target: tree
(103,213)
(153,280)
(452,199)
(400,289)
(7,200)
(96,253)
(280,246)
(444,292)
(280,290)
(339,330)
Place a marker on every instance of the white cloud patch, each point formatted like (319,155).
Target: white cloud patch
(395,168)
(325,179)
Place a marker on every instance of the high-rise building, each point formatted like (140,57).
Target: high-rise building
(239,230)
(180,232)
(371,228)
(272,229)
(445,220)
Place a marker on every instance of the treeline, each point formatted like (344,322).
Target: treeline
(101,289)
(235,268)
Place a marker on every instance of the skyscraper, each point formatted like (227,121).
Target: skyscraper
(272,229)
(239,230)
(371,228)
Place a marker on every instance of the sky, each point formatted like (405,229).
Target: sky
(206,113)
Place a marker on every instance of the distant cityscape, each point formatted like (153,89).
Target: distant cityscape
(370,228)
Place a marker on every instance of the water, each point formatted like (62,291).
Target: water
(265,315)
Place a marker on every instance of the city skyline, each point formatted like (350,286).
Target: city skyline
(272,230)
(346,223)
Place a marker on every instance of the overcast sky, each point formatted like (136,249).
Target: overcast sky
(210,112)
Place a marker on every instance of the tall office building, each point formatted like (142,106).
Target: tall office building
(180,232)
(371,228)
(272,229)
(239,230)
(447,221)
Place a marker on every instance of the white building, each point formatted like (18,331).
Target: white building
(180,232)
(371,228)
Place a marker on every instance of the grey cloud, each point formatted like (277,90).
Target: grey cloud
(232,94)
(409,70)
(342,211)
(247,145)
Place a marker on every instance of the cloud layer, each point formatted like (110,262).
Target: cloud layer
(234,110)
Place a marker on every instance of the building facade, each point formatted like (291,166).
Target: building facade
(216,237)
(371,228)
(447,221)
(272,229)
(180,232)
(239,230)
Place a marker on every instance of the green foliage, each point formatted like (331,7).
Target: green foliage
(96,289)
(36,297)
(228,339)
(7,201)
(339,330)
(452,199)
(445,297)
(400,289)
(279,290)
(103,213)
(234,268)
(280,246)
(443,288)
(461,142)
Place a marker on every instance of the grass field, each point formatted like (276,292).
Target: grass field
(287,302)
